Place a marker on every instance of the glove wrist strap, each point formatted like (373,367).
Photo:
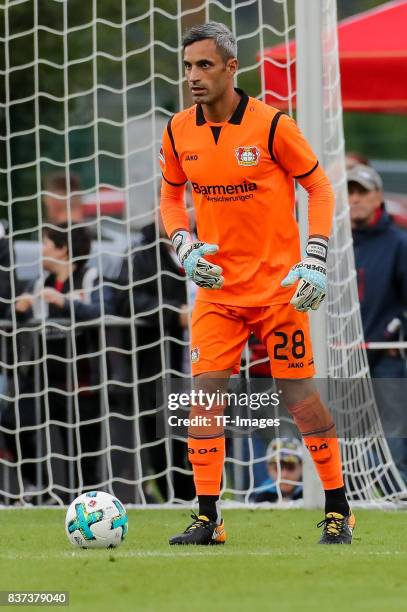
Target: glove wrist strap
(179,238)
(317,248)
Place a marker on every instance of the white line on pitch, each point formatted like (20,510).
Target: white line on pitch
(175,554)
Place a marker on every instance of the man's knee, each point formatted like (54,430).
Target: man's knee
(293,391)
(212,382)
(313,418)
(206,414)
(206,420)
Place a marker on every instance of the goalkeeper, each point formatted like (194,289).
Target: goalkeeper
(242,158)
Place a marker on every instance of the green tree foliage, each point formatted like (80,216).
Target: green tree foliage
(346,8)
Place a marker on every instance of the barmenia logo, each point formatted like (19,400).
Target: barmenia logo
(224,189)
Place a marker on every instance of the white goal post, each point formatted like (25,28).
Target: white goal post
(338,352)
(86,89)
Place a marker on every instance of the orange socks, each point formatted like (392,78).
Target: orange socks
(206,448)
(207,457)
(326,455)
(318,430)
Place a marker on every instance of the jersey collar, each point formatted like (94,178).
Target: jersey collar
(236,118)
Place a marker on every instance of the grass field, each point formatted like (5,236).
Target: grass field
(271,562)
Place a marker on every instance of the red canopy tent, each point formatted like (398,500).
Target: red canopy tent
(373,62)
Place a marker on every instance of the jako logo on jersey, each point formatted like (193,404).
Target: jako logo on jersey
(191,157)
(223,189)
(295,365)
(247,156)
(195,354)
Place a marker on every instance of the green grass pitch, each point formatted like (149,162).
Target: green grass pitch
(270,562)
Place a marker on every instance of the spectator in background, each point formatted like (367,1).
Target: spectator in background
(159,300)
(65,290)
(284,466)
(67,281)
(61,196)
(381,264)
(394,204)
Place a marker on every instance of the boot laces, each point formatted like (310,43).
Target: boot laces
(198,522)
(332,525)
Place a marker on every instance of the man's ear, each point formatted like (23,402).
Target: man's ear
(232,65)
(379,198)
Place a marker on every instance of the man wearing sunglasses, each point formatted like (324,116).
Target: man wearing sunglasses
(284,467)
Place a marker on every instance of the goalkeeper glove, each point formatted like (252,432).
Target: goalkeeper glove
(311,274)
(190,254)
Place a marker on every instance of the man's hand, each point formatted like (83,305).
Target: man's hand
(52,296)
(24,302)
(190,254)
(311,274)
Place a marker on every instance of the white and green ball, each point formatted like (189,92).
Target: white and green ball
(96,520)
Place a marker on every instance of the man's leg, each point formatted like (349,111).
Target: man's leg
(206,444)
(316,425)
(285,332)
(317,428)
(206,453)
(219,334)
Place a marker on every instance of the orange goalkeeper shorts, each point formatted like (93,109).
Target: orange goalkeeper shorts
(220,332)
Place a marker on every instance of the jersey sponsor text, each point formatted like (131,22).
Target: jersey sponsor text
(224,189)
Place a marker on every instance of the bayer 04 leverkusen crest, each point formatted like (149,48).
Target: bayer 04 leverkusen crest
(247,156)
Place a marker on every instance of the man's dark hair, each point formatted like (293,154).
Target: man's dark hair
(61,182)
(223,37)
(80,239)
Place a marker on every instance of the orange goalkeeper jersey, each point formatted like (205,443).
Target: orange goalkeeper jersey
(242,175)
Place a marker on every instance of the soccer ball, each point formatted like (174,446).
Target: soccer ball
(96,520)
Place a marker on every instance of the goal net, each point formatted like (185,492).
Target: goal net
(86,89)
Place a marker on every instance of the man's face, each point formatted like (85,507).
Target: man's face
(57,204)
(363,203)
(52,255)
(207,74)
(288,471)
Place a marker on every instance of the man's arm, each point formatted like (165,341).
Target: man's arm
(311,271)
(292,151)
(321,203)
(83,310)
(190,252)
(172,205)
